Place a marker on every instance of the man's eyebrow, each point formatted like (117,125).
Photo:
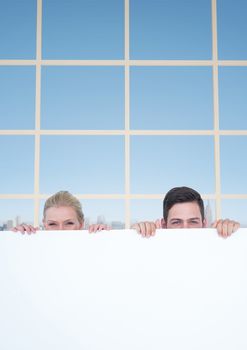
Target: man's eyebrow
(193,218)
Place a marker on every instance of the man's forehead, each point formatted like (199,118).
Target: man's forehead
(185,210)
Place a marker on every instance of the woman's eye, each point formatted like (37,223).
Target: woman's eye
(52,224)
(70,223)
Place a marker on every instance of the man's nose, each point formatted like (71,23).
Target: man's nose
(185,225)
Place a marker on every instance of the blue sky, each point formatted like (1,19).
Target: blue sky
(166,29)
(88,98)
(83,29)
(92,98)
(82,164)
(164,98)
(172,160)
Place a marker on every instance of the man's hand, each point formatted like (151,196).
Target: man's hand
(147,228)
(226,227)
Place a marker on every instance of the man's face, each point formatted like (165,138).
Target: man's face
(185,215)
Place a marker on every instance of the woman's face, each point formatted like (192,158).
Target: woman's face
(61,218)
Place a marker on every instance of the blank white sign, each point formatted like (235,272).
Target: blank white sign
(182,289)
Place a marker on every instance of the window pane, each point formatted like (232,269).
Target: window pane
(171,98)
(82,164)
(232,97)
(86,29)
(233,164)
(145,210)
(18,29)
(232,29)
(17,164)
(171,29)
(14,212)
(104,211)
(210,211)
(82,98)
(17,97)
(159,163)
(235,209)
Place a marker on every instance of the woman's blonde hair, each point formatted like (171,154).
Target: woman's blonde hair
(64,199)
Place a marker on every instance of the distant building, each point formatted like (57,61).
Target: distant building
(208,213)
(87,222)
(117,225)
(101,219)
(10,224)
(18,220)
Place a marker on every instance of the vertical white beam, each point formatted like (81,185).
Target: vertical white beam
(37,112)
(216,110)
(127,114)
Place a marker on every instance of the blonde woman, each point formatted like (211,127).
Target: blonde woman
(62,211)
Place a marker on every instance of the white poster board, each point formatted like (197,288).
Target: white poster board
(182,289)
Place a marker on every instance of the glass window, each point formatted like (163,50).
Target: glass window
(82,164)
(82,98)
(17,164)
(233,164)
(14,212)
(18,29)
(235,209)
(232,29)
(159,163)
(232,97)
(171,98)
(78,29)
(17,97)
(104,211)
(210,211)
(171,29)
(145,210)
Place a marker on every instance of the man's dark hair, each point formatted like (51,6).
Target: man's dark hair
(181,195)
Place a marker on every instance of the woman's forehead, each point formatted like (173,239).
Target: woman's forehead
(61,213)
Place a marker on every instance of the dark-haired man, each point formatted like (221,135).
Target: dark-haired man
(183,207)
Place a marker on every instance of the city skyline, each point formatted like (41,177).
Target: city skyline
(118,222)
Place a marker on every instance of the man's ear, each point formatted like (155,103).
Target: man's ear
(204,223)
(163,223)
